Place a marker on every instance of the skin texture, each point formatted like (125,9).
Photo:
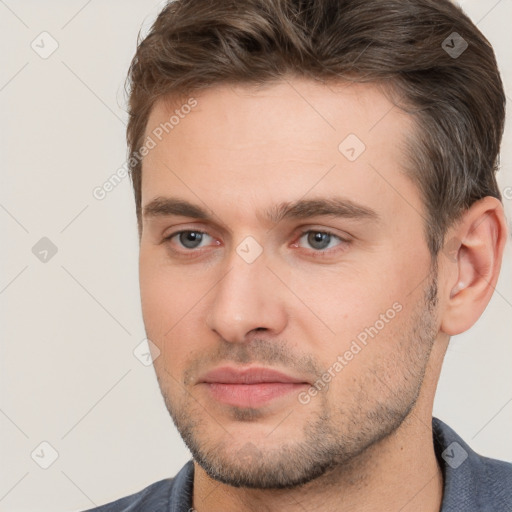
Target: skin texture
(364,441)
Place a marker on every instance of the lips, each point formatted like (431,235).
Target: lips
(249,387)
(254,375)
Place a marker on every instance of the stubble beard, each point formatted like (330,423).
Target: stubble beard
(334,436)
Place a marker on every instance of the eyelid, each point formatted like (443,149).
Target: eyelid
(187,229)
(329,231)
(332,251)
(170,236)
(322,253)
(302,232)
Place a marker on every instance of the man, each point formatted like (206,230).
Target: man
(318,214)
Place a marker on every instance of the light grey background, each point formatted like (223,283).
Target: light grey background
(70,325)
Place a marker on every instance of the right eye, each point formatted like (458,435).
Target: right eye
(189,239)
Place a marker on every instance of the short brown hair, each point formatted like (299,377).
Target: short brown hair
(458,101)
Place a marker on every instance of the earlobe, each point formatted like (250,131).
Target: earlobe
(472,269)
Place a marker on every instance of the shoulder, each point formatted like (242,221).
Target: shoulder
(493,480)
(472,482)
(158,496)
(152,497)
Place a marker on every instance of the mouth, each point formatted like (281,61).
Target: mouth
(250,387)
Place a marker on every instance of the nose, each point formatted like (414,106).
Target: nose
(249,297)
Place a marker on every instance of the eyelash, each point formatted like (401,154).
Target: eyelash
(190,253)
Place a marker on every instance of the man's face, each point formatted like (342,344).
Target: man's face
(337,303)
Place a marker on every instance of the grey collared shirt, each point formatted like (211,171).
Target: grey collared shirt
(472,483)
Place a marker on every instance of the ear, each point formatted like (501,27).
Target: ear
(474,251)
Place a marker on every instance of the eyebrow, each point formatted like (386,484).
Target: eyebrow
(300,209)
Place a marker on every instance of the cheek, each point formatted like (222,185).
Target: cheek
(156,299)
(346,299)
(172,312)
(359,315)
(160,301)
(371,358)
(164,294)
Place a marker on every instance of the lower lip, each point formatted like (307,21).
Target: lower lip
(251,395)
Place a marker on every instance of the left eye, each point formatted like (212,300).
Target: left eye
(320,240)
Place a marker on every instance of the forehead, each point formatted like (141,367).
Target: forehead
(277,142)
(335,107)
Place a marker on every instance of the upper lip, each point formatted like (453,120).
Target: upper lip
(252,375)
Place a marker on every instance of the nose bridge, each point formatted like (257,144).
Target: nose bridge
(245,298)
